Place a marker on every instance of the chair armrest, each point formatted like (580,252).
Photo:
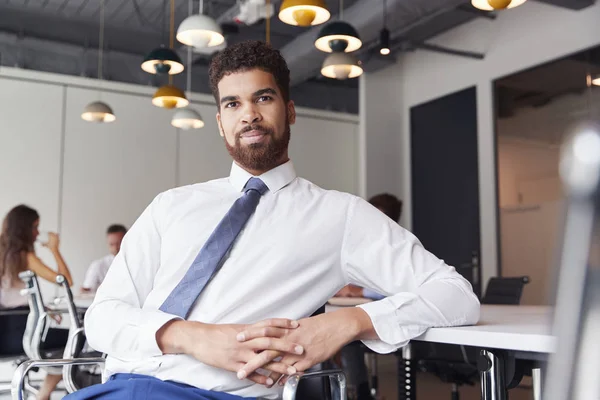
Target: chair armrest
(18,381)
(335,375)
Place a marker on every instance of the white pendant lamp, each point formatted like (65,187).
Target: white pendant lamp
(187,118)
(490,5)
(200,30)
(98,111)
(341,66)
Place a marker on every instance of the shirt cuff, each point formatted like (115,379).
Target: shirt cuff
(153,321)
(392,333)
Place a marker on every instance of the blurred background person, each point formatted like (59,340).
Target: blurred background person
(98,268)
(17,254)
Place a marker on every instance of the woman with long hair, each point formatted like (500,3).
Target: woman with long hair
(17,254)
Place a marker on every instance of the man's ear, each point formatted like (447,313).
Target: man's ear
(291,112)
(221,131)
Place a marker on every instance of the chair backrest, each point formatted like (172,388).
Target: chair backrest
(504,290)
(37,318)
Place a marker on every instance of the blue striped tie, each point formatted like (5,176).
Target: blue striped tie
(181,299)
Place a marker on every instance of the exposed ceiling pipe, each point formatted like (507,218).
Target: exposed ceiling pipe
(305,60)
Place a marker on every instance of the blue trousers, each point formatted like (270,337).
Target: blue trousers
(142,387)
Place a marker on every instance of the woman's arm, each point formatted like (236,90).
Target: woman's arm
(42,270)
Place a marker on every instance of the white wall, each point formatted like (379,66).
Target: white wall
(519,38)
(82,177)
(527,172)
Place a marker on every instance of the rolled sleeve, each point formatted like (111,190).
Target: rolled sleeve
(422,291)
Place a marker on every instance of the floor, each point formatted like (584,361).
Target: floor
(428,386)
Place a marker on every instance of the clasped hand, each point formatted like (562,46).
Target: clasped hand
(279,346)
(318,337)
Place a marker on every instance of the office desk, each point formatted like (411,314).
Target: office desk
(504,333)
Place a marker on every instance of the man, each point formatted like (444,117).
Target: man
(169,334)
(98,269)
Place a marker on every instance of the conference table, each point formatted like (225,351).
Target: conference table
(504,334)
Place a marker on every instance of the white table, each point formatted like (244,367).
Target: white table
(517,328)
(503,332)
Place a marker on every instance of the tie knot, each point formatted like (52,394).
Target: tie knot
(256,184)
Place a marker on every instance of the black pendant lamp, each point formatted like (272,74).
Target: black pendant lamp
(338,36)
(163,60)
(384,35)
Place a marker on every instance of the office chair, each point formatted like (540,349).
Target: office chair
(38,323)
(506,291)
(460,369)
(15,358)
(317,383)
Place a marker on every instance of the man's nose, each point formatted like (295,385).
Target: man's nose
(251,115)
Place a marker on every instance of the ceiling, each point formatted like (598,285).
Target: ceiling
(62,36)
(544,103)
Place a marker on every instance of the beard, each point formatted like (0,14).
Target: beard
(260,156)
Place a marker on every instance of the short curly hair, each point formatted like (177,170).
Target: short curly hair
(389,204)
(247,55)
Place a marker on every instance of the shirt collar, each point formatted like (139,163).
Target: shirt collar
(275,179)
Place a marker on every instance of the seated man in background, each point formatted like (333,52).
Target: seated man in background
(98,269)
(211,295)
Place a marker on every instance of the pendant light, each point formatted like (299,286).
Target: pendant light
(596,81)
(341,66)
(170,96)
(338,36)
(490,5)
(187,118)
(99,111)
(163,60)
(200,30)
(384,35)
(304,12)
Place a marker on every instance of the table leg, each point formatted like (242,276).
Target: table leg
(407,378)
(536,375)
(493,380)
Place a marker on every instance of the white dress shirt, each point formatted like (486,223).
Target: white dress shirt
(301,245)
(97,272)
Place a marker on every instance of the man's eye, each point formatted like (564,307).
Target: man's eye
(264,98)
(232,104)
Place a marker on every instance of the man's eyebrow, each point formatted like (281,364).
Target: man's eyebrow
(265,91)
(227,99)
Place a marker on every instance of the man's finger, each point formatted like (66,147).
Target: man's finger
(276,322)
(261,379)
(259,361)
(266,343)
(279,368)
(304,364)
(265,331)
